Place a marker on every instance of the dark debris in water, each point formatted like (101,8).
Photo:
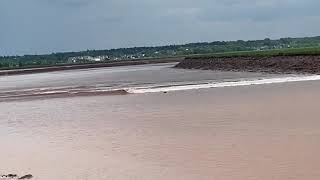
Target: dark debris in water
(15,176)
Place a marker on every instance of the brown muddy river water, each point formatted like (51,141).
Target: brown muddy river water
(259,132)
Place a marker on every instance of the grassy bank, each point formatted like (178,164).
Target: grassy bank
(267,53)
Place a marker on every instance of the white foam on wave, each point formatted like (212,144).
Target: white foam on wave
(224,84)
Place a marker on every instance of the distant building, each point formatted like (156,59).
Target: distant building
(88,58)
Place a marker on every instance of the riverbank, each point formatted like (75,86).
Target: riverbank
(294,64)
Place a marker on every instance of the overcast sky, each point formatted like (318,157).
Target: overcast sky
(45,26)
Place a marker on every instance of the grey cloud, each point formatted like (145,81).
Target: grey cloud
(42,26)
(76,4)
(66,3)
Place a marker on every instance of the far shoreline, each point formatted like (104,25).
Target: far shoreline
(279,61)
(33,70)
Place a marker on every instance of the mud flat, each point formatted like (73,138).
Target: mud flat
(306,64)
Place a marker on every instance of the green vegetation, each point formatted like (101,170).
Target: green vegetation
(283,46)
(267,53)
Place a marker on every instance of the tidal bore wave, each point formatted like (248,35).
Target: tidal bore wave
(156,88)
(224,84)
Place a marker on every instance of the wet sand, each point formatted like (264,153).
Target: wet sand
(235,133)
(66,67)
